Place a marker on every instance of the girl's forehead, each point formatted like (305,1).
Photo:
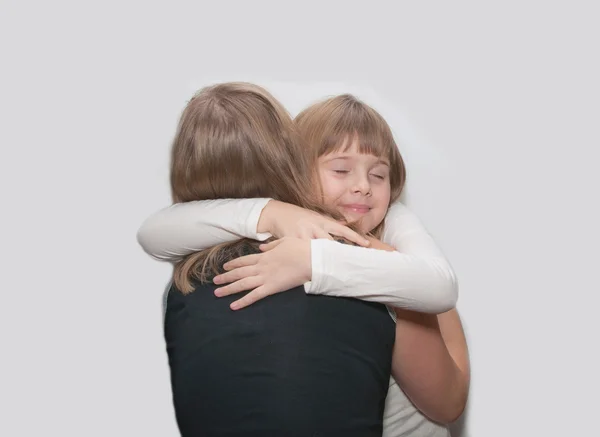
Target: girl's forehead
(357,145)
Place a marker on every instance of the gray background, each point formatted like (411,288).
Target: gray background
(496,108)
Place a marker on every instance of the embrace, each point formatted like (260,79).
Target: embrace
(306,300)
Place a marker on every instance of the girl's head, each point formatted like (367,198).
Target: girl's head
(235,140)
(359,167)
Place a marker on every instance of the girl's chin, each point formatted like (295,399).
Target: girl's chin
(360,222)
(352,215)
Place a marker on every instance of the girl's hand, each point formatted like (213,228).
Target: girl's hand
(282,219)
(284,264)
(377,244)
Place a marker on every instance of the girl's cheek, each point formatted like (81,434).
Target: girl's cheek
(326,185)
(332,189)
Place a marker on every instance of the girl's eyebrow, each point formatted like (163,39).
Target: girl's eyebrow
(348,158)
(333,158)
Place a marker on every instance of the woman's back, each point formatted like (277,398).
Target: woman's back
(290,365)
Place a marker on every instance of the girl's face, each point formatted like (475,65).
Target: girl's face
(357,185)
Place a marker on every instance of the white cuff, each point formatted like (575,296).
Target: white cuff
(253,218)
(317,268)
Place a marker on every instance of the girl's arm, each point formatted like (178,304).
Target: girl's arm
(417,277)
(184,228)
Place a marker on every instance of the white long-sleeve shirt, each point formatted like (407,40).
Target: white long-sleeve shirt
(417,277)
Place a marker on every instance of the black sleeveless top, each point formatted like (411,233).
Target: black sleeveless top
(289,365)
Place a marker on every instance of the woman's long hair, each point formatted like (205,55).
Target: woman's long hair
(235,140)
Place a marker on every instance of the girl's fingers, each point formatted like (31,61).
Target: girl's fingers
(235,275)
(268,246)
(242,261)
(320,233)
(239,286)
(347,233)
(252,297)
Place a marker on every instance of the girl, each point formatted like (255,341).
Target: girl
(360,173)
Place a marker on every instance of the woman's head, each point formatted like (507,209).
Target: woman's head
(235,140)
(356,159)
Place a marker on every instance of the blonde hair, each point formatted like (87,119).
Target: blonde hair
(333,124)
(235,140)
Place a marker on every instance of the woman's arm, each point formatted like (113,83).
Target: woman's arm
(431,364)
(184,228)
(431,360)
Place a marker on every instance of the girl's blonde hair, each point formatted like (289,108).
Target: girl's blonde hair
(335,123)
(235,140)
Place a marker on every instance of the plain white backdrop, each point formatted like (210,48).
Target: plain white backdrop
(495,105)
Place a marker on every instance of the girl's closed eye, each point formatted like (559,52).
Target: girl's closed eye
(340,171)
(378,176)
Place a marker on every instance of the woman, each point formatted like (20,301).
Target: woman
(269,370)
(397,279)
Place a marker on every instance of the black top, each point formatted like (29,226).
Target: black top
(289,365)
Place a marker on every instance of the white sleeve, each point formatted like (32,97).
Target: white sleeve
(183,228)
(417,277)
